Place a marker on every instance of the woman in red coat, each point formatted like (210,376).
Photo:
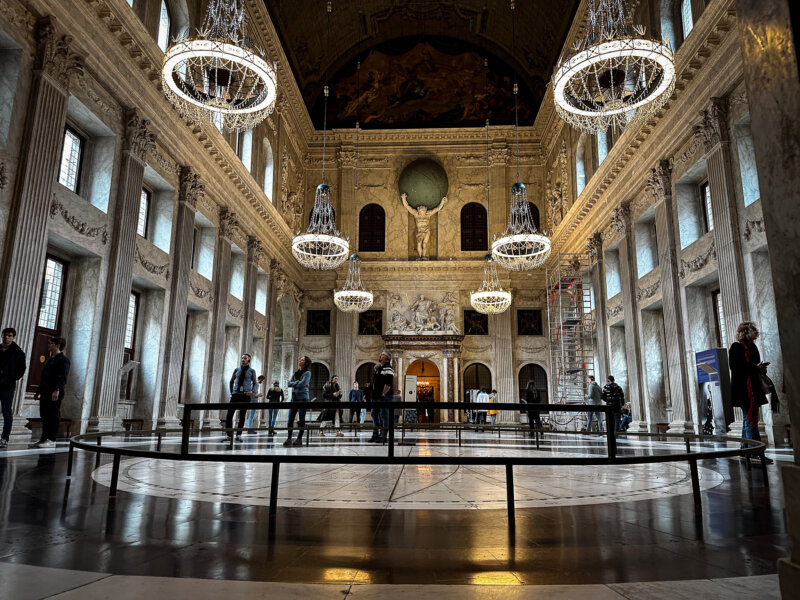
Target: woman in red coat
(746,369)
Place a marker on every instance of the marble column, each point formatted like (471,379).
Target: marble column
(772,78)
(26,238)
(622,223)
(446,383)
(594,247)
(272,306)
(504,361)
(255,251)
(455,371)
(216,388)
(124,216)
(713,131)
(191,190)
(345,339)
(660,185)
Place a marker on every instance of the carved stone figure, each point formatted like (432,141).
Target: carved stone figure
(421,308)
(422,216)
(449,322)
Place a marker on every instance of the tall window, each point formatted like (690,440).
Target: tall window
(474,236)
(686,17)
(244,148)
(705,207)
(164,24)
(268,169)
(719,319)
(71,159)
(370,322)
(372,229)
(604,143)
(318,322)
(144,212)
(581,165)
(529,322)
(130,345)
(48,324)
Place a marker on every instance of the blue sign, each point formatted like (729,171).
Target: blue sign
(707,363)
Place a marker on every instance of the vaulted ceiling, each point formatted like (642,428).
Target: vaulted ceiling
(422,61)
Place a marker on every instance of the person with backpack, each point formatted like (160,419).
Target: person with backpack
(615,398)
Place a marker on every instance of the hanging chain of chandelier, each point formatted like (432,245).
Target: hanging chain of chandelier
(322,246)
(614,76)
(218,77)
(521,247)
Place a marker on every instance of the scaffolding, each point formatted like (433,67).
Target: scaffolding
(571,326)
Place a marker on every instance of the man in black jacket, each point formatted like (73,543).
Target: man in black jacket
(12,368)
(615,398)
(383,391)
(51,391)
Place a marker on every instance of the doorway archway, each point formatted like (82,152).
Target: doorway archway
(319,377)
(538,375)
(364,379)
(477,376)
(428,388)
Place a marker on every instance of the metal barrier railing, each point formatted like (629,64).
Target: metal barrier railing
(83,442)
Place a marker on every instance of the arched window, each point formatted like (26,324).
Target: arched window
(687,22)
(268,169)
(319,377)
(474,236)
(535,215)
(477,377)
(581,165)
(372,229)
(164,25)
(538,375)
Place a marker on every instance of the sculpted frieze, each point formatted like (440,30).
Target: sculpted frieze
(149,266)
(236,313)
(162,160)
(423,315)
(82,227)
(698,262)
(109,108)
(648,292)
(751,227)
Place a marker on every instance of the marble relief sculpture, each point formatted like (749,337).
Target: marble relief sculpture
(422,216)
(424,316)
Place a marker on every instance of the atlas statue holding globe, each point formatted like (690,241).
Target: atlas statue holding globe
(422,216)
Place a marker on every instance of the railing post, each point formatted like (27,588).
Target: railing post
(512,523)
(69,458)
(611,434)
(273,489)
(391,431)
(114,476)
(695,483)
(187,422)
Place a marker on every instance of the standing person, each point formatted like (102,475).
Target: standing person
(331,393)
(242,385)
(746,390)
(493,413)
(299,384)
(532,397)
(367,398)
(594,396)
(356,395)
(382,391)
(615,398)
(258,393)
(51,391)
(483,396)
(12,368)
(274,395)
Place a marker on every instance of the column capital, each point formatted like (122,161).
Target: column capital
(621,218)
(659,181)
(594,246)
(346,158)
(139,139)
(255,250)
(228,223)
(498,156)
(191,189)
(54,55)
(712,128)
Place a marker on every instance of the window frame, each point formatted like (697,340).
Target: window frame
(82,147)
(719,318)
(164,5)
(148,197)
(32,385)
(520,331)
(706,209)
(361,330)
(477,233)
(362,246)
(136,305)
(309,332)
(468,315)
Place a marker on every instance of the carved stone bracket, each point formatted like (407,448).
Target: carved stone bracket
(55,57)
(139,140)
(191,190)
(751,227)
(80,226)
(594,246)
(698,262)
(149,266)
(659,181)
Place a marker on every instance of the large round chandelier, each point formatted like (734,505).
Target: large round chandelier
(521,247)
(217,77)
(322,246)
(490,298)
(353,297)
(615,75)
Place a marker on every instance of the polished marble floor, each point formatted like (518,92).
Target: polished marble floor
(628,541)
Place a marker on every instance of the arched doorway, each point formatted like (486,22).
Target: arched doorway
(319,377)
(428,389)
(538,375)
(364,379)
(476,377)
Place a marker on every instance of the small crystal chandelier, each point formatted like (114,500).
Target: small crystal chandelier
(322,246)
(521,247)
(615,75)
(490,298)
(216,77)
(353,297)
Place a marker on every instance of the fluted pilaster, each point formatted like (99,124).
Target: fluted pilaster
(345,338)
(504,370)
(594,246)
(255,250)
